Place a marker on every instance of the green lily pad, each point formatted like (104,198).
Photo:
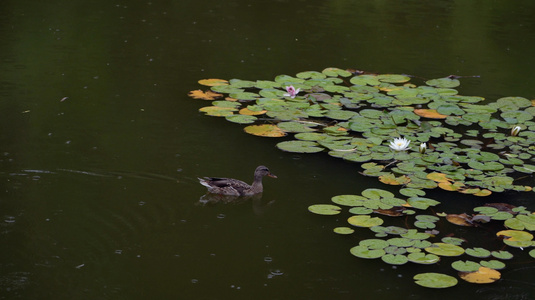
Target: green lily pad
(409,192)
(294,127)
(423,258)
(487,166)
(478,252)
(343,230)
(392,78)
(435,280)
(324,209)
(415,235)
(364,221)
(421,202)
(348,200)
(444,249)
(465,266)
(241,119)
(335,72)
(376,194)
(361,210)
(364,252)
(400,242)
(300,146)
(374,243)
(395,259)
(493,264)
(453,240)
(525,168)
(444,82)
(502,254)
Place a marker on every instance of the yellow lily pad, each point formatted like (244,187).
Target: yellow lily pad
(266,130)
(483,275)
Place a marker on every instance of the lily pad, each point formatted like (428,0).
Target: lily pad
(300,146)
(423,258)
(364,221)
(241,119)
(435,280)
(493,264)
(465,266)
(482,275)
(422,202)
(365,252)
(348,200)
(444,249)
(343,230)
(478,252)
(324,209)
(395,259)
(266,130)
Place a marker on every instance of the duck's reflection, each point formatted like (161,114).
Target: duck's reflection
(260,206)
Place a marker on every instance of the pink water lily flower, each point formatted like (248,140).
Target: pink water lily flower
(292,92)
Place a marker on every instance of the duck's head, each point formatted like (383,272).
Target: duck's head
(263,171)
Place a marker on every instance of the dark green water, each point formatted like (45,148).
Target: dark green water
(100,146)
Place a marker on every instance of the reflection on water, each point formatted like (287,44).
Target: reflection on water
(100,147)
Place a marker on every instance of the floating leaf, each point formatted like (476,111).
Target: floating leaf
(218,111)
(444,82)
(465,266)
(364,252)
(343,230)
(423,258)
(372,193)
(374,243)
(462,219)
(421,202)
(429,113)
(453,240)
(364,221)
(435,280)
(241,119)
(395,259)
(300,146)
(482,275)
(361,210)
(208,95)
(324,209)
(444,249)
(493,264)
(409,192)
(348,200)
(393,180)
(213,82)
(516,238)
(294,127)
(266,130)
(249,112)
(478,252)
(502,254)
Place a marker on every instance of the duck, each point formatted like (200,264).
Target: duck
(235,187)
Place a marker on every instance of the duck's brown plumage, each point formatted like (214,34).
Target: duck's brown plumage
(235,187)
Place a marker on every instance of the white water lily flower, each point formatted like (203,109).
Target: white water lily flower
(515,130)
(292,92)
(400,144)
(423,147)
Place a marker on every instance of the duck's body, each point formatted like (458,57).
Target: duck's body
(235,187)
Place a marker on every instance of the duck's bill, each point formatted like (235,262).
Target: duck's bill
(272,175)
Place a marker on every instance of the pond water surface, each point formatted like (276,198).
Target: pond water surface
(100,145)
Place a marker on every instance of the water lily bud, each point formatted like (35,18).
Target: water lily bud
(423,147)
(515,130)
